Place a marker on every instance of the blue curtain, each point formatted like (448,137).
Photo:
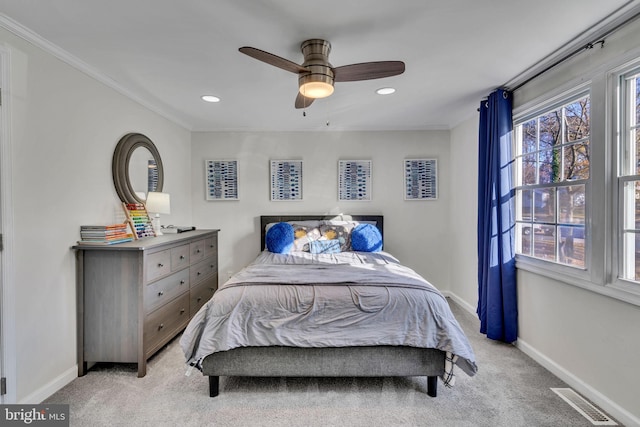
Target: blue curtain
(497,304)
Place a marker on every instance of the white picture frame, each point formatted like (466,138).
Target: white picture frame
(221,179)
(354,180)
(286,179)
(420,179)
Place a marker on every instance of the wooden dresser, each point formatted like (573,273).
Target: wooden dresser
(135,297)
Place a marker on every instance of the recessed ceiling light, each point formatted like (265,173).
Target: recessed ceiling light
(210,98)
(385,91)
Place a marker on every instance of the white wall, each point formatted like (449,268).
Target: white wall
(64,127)
(589,340)
(417,232)
(463,213)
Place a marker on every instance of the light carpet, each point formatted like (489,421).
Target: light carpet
(510,389)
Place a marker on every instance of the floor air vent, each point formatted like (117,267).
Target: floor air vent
(590,412)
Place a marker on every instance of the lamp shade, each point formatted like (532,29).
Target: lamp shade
(158,203)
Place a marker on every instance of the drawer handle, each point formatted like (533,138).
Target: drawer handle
(198,273)
(160,265)
(199,299)
(161,326)
(182,310)
(197,251)
(181,256)
(182,282)
(160,293)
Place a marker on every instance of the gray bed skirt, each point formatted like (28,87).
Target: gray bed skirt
(377,361)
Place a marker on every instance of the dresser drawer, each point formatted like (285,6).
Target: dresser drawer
(202,293)
(202,270)
(196,250)
(211,247)
(165,323)
(158,264)
(164,290)
(179,257)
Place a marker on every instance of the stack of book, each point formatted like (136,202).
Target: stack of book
(105,234)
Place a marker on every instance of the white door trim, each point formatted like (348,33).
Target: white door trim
(8,341)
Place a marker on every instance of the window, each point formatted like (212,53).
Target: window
(552,170)
(629,175)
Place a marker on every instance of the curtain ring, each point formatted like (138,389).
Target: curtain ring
(505,94)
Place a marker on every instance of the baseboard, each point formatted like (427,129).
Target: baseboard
(51,387)
(462,303)
(609,406)
(612,408)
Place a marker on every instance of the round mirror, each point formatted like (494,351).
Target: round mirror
(137,168)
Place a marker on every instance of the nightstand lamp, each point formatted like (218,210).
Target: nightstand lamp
(158,203)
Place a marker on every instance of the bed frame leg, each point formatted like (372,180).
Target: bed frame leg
(432,386)
(214,386)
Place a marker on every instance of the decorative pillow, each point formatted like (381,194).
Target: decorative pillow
(279,238)
(366,238)
(341,233)
(303,235)
(324,246)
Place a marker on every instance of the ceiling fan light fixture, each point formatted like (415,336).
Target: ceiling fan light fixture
(316,89)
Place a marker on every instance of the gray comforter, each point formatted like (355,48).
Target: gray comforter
(326,300)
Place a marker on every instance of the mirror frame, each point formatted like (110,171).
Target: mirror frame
(120,165)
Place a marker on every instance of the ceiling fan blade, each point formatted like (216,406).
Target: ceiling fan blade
(302,101)
(368,71)
(274,60)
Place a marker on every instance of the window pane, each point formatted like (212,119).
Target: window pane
(632,205)
(571,246)
(631,268)
(637,103)
(576,161)
(571,204)
(529,136)
(544,243)
(544,209)
(550,162)
(523,198)
(529,169)
(550,129)
(553,151)
(524,231)
(635,136)
(576,120)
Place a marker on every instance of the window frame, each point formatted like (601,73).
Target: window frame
(602,215)
(580,276)
(625,289)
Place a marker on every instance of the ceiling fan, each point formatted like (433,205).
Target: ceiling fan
(316,75)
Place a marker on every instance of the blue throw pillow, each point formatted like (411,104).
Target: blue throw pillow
(280,238)
(366,238)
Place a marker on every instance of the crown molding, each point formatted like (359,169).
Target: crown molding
(40,42)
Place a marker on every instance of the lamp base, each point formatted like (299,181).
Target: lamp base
(156,225)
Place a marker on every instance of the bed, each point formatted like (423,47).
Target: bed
(321,306)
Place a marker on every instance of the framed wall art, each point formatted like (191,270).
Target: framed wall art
(354,180)
(420,179)
(222,179)
(286,180)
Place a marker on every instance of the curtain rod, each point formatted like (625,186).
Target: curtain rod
(598,40)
